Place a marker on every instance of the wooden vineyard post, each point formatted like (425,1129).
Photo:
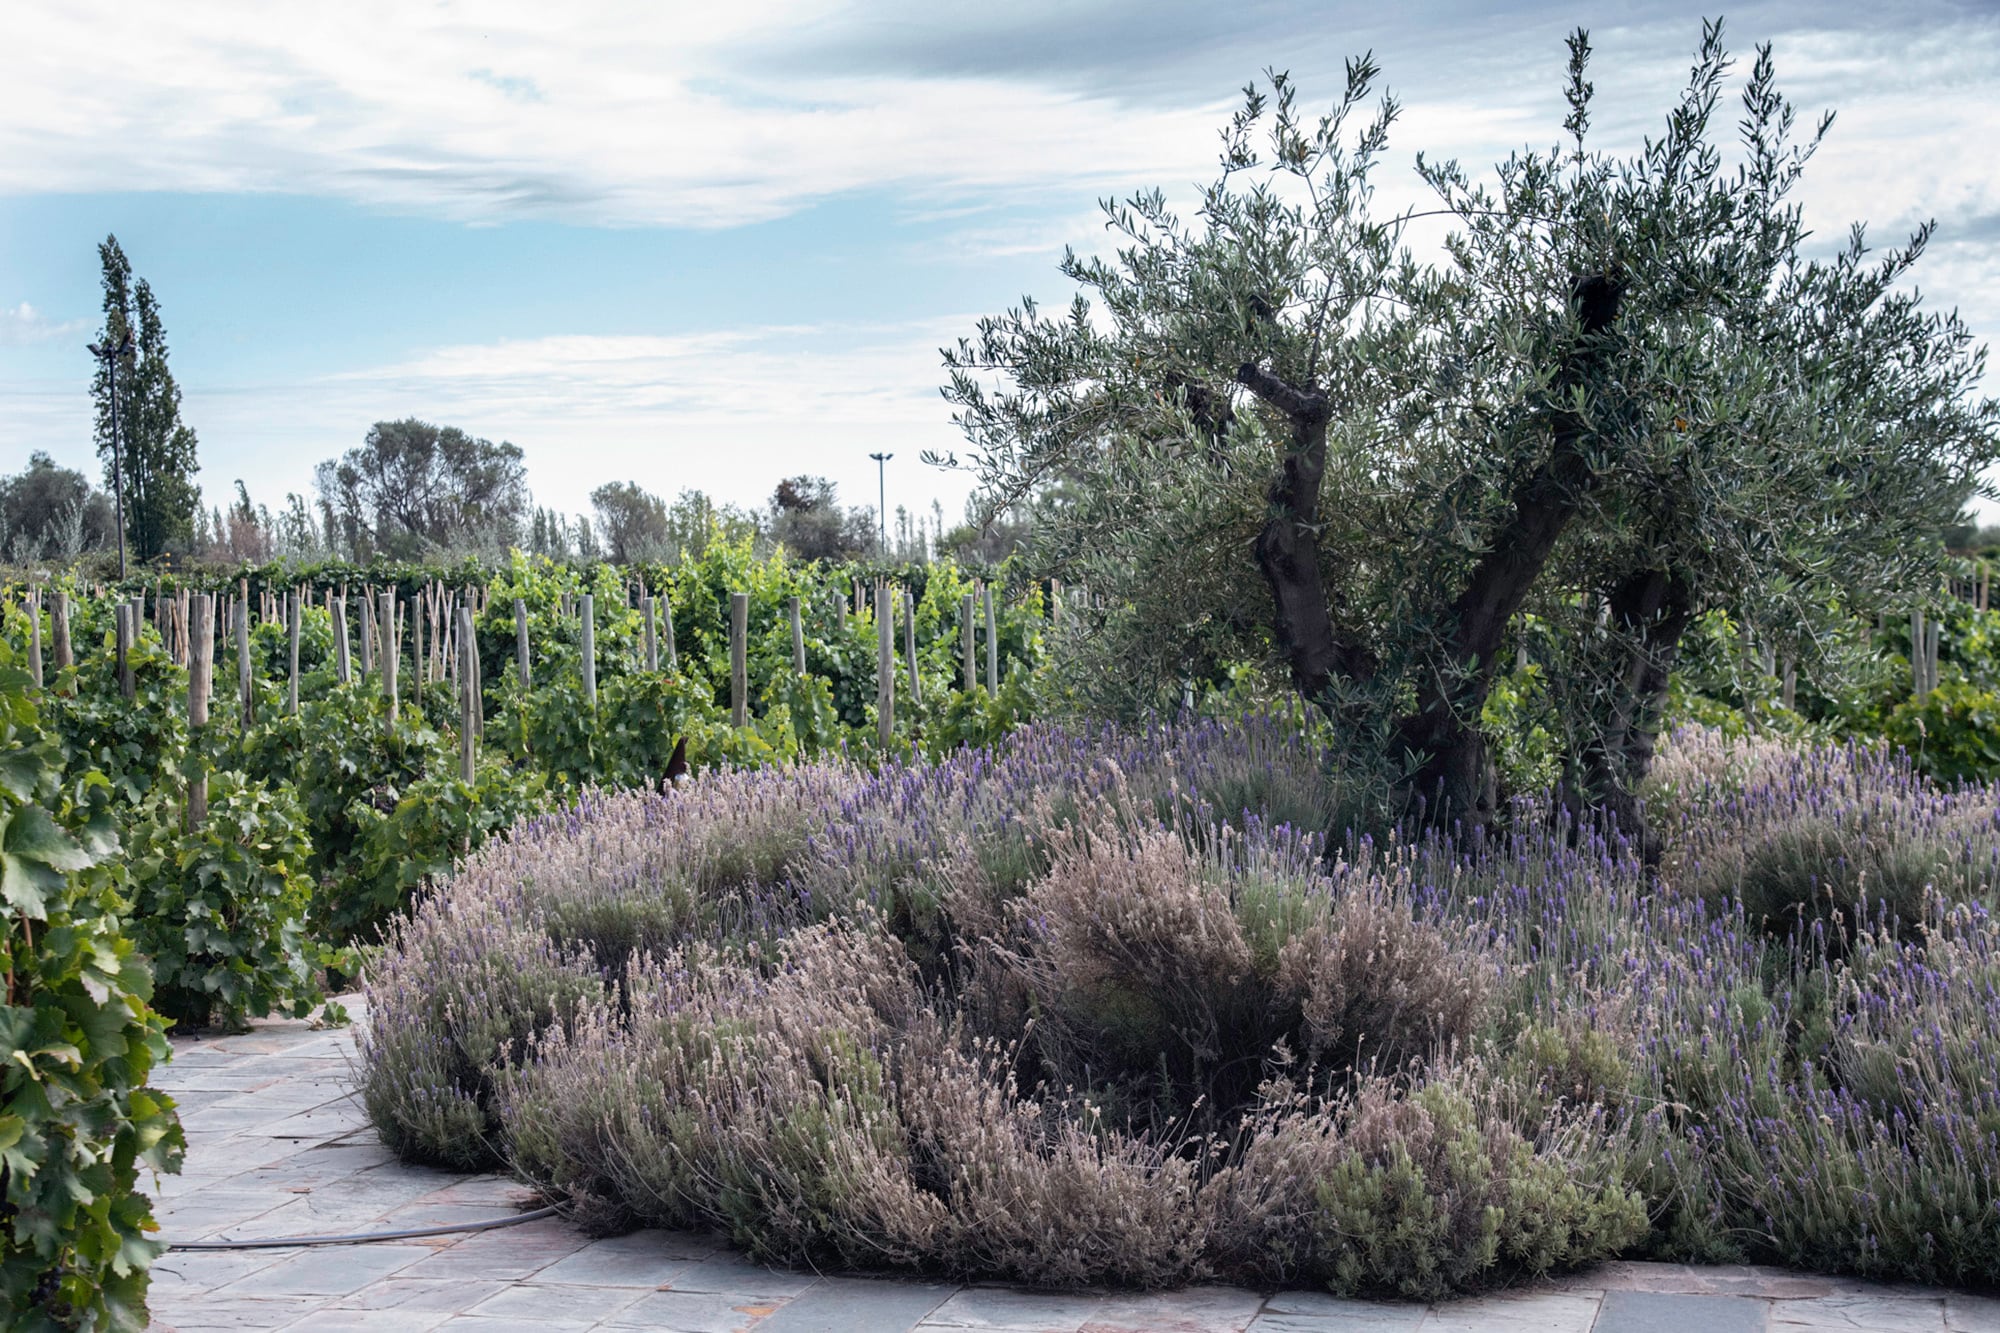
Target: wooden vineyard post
(965,605)
(367,633)
(1931,655)
(444,641)
(739,664)
(341,666)
(652,635)
(35,638)
(1919,682)
(386,619)
(1788,675)
(420,665)
(589,609)
(478,670)
(910,648)
(992,643)
(667,632)
(798,636)
(468,708)
(1055,601)
(294,613)
(59,629)
(521,641)
(840,616)
(201,659)
(885,668)
(126,619)
(245,685)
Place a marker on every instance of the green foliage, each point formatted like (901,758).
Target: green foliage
(438,819)
(156,450)
(222,910)
(1607,403)
(77,1042)
(1953,733)
(138,744)
(1436,1194)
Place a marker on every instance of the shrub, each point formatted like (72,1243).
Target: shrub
(1836,836)
(1416,1195)
(77,1042)
(221,910)
(436,820)
(138,743)
(1882,1159)
(989,1017)
(455,995)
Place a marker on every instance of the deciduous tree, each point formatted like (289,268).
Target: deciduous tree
(156,448)
(412,488)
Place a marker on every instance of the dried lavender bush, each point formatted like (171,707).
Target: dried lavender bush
(1061,1013)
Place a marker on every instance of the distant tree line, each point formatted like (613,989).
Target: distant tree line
(410,489)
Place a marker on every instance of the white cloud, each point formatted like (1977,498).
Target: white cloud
(620,115)
(616,113)
(24,324)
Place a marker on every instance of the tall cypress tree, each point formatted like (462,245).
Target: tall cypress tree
(156,447)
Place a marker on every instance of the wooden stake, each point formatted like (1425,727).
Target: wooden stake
(386,621)
(468,710)
(35,638)
(201,661)
(294,613)
(59,625)
(647,609)
(478,675)
(667,630)
(792,610)
(965,630)
(885,668)
(367,633)
(739,664)
(910,648)
(420,663)
(521,640)
(246,685)
(1919,684)
(992,643)
(590,649)
(341,667)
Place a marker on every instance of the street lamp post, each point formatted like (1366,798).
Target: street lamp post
(109,355)
(882,496)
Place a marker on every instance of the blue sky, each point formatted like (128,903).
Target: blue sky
(710,247)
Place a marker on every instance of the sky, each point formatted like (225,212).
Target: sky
(710,246)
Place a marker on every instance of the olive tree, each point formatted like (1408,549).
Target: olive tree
(1617,395)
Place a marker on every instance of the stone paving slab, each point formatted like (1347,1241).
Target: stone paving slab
(277,1146)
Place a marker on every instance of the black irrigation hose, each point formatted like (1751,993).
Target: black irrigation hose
(359,1238)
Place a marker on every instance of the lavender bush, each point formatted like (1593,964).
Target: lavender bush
(1108,1006)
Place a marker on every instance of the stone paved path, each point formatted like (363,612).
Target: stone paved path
(277,1147)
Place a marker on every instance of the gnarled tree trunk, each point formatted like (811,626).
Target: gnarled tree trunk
(1652,610)
(1451,775)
